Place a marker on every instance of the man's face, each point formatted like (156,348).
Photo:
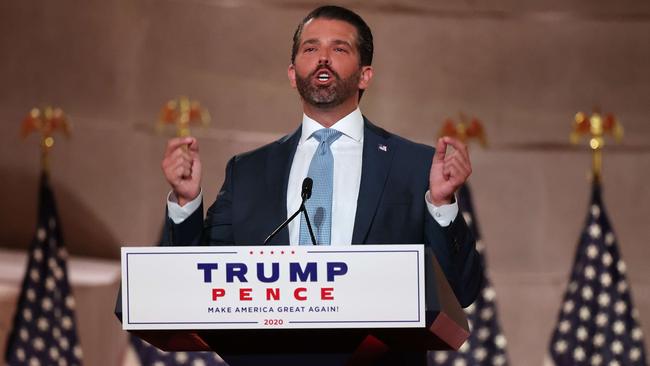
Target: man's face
(326,69)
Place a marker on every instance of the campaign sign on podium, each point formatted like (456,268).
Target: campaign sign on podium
(295,287)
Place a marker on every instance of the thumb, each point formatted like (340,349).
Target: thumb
(441,150)
(192,144)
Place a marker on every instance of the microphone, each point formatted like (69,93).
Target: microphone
(307,185)
(305,194)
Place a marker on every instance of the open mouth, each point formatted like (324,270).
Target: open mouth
(323,76)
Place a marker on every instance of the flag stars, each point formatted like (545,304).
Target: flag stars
(41,234)
(483,333)
(620,307)
(489,294)
(568,306)
(596,360)
(499,360)
(603,300)
(20,354)
(619,327)
(69,302)
(66,323)
(582,334)
(635,354)
(605,279)
(573,286)
(585,314)
(38,344)
(43,325)
(587,293)
(560,346)
(198,362)
(500,341)
(486,314)
(76,350)
(601,319)
(607,259)
(599,340)
(590,272)
(34,275)
(594,231)
(54,353)
(31,294)
(46,304)
(440,357)
(564,326)
(23,334)
(592,251)
(637,334)
(480,354)
(460,362)
(33,361)
(595,211)
(609,238)
(622,286)
(50,284)
(181,357)
(617,347)
(621,266)
(38,254)
(579,354)
(64,343)
(27,314)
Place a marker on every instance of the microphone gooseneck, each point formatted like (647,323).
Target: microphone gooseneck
(305,194)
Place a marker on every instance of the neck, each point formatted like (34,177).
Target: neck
(329,116)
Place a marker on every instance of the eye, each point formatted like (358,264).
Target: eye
(340,49)
(309,49)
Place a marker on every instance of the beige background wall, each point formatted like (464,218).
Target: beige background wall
(524,68)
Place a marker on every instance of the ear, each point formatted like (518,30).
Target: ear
(291,73)
(365,77)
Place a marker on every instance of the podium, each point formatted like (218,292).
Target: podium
(358,302)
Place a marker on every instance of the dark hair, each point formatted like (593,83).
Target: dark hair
(364,35)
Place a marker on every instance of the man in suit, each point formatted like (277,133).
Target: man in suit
(380,188)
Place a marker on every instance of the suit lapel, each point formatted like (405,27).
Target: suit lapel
(277,178)
(375,166)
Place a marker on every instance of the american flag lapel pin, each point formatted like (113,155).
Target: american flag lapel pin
(383,147)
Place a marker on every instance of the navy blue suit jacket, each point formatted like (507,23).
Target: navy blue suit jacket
(390,209)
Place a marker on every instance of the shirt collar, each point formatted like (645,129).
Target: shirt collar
(350,125)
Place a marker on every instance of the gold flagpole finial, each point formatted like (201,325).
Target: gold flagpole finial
(596,127)
(182,112)
(466,129)
(46,121)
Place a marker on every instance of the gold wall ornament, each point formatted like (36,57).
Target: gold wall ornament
(45,120)
(465,130)
(181,113)
(596,126)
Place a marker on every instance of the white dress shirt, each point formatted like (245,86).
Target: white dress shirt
(347,151)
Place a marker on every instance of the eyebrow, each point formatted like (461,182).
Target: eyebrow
(315,41)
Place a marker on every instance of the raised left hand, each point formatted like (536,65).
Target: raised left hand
(448,171)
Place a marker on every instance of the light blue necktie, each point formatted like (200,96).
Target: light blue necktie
(319,206)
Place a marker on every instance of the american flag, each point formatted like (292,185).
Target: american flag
(486,344)
(597,324)
(152,356)
(44,331)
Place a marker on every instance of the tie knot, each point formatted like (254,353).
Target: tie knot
(327,135)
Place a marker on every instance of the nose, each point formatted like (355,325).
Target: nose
(324,57)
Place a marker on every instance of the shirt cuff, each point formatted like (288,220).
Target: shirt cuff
(444,214)
(179,213)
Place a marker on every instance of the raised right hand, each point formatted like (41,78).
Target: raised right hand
(182,168)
